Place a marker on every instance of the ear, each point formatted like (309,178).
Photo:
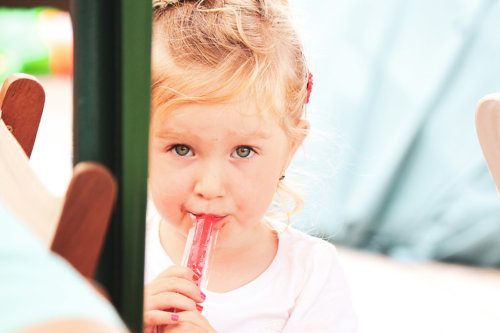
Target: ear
(302,128)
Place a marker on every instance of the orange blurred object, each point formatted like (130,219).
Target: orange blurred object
(56,33)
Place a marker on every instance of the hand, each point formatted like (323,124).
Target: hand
(173,290)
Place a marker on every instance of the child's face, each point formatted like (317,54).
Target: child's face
(216,159)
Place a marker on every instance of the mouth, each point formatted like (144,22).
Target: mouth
(216,219)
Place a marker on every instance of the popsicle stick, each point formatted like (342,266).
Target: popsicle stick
(85,216)
(21,100)
(488,132)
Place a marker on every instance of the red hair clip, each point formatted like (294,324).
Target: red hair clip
(309,86)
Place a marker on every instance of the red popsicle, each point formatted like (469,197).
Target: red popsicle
(201,239)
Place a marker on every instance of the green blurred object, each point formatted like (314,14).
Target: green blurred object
(21,48)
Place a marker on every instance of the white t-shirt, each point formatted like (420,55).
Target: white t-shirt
(303,290)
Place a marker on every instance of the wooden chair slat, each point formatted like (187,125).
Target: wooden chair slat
(73,226)
(21,100)
(85,216)
(488,132)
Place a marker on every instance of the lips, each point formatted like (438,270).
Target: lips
(214,217)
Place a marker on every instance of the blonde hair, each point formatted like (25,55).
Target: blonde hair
(211,51)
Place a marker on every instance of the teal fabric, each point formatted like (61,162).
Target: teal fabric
(393,163)
(37,286)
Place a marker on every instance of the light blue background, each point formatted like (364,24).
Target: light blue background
(393,163)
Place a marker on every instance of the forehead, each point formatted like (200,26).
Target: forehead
(235,117)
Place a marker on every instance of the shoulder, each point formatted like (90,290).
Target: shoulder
(321,293)
(303,244)
(309,255)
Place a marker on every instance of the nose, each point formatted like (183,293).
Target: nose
(210,183)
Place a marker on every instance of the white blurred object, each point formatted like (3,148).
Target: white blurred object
(393,296)
(52,156)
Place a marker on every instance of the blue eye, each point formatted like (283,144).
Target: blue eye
(243,152)
(182,150)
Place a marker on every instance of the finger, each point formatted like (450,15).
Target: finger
(181,272)
(194,319)
(158,318)
(165,301)
(182,328)
(174,284)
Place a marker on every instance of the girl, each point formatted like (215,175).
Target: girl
(229,87)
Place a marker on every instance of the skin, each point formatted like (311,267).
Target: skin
(222,159)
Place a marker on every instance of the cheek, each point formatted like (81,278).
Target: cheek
(256,194)
(168,190)
(163,198)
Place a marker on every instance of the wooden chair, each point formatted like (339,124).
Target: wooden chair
(73,226)
(488,132)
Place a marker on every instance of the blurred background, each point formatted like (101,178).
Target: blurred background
(393,163)
(38,40)
(392,172)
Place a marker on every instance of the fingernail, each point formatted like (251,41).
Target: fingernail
(174,317)
(199,307)
(195,277)
(202,295)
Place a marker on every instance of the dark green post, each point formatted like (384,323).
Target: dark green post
(136,55)
(111,122)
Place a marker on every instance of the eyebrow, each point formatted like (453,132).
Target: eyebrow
(170,134)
